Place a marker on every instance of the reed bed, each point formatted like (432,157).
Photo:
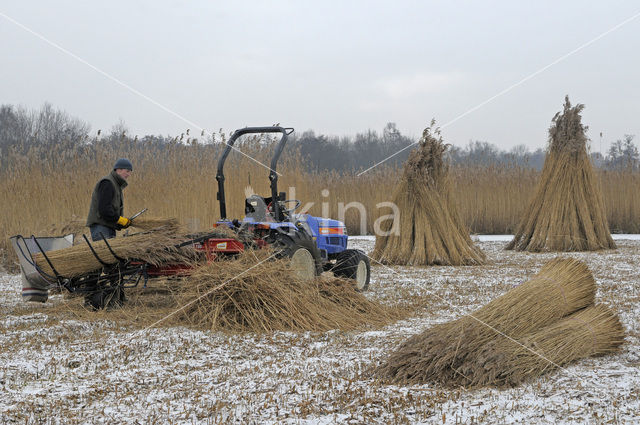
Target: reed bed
(567,211)
(181,184)
(428,229)
(593,331)
(75,226)
(442,354)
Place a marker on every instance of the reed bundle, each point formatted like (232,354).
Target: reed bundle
(440,354)
(567,212)
(595,330)
(429,229)
(155,247)
(235,296)
(149,223)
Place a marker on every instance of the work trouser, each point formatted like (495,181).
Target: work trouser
(98,230)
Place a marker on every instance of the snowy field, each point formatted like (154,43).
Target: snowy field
(66,371)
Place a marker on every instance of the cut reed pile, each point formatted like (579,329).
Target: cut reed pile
(154,247)
(238,296)
(442,353)
(567,212)
(251,293)
(428,230)
(595,330)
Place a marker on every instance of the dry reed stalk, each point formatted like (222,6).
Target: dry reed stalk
(74,225)
(489,200)
(567,212)
(149,223)
(155,247)
(595,330)
(231,296)
(439,354)
(429,229)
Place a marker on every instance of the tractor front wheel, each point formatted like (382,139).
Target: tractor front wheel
(303,253)
(354,264)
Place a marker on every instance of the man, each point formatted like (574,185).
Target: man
(107,208)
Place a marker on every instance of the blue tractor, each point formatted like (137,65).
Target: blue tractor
(313,244)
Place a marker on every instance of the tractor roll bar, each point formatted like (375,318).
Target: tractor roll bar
(273,175)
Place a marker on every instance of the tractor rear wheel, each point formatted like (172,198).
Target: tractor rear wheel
(354,264)
(302,251)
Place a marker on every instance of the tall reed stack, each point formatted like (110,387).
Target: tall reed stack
(567,212)
(428,230)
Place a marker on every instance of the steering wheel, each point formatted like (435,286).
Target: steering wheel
(296,205)
(286,210)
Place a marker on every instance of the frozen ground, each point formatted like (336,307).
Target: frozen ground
(66,371)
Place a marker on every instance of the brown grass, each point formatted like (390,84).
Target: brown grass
(567,211)
(441,353)
(182,184)
(593,331)
(428,230)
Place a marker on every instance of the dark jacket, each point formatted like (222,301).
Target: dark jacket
(107,201)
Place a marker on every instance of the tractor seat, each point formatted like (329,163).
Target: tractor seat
(255,207)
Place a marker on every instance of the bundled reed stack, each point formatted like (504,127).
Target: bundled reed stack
(567,212)
(253,293)
(155,247)
(149,223)
(593,331)
(443,353)
(429,230)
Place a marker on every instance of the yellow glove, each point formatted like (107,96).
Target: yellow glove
(124,222)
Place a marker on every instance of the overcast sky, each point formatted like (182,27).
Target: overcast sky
(336,67)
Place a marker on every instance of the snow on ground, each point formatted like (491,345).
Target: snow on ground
(67,371)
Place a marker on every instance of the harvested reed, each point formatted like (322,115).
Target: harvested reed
(235,296)
(156,248)
(149,223)
(560,288)
(593,331)
(429,229)
(567,212)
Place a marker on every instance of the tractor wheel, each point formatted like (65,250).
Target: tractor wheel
(354,264)
(303,252)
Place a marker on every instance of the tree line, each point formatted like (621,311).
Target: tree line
(24,131)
